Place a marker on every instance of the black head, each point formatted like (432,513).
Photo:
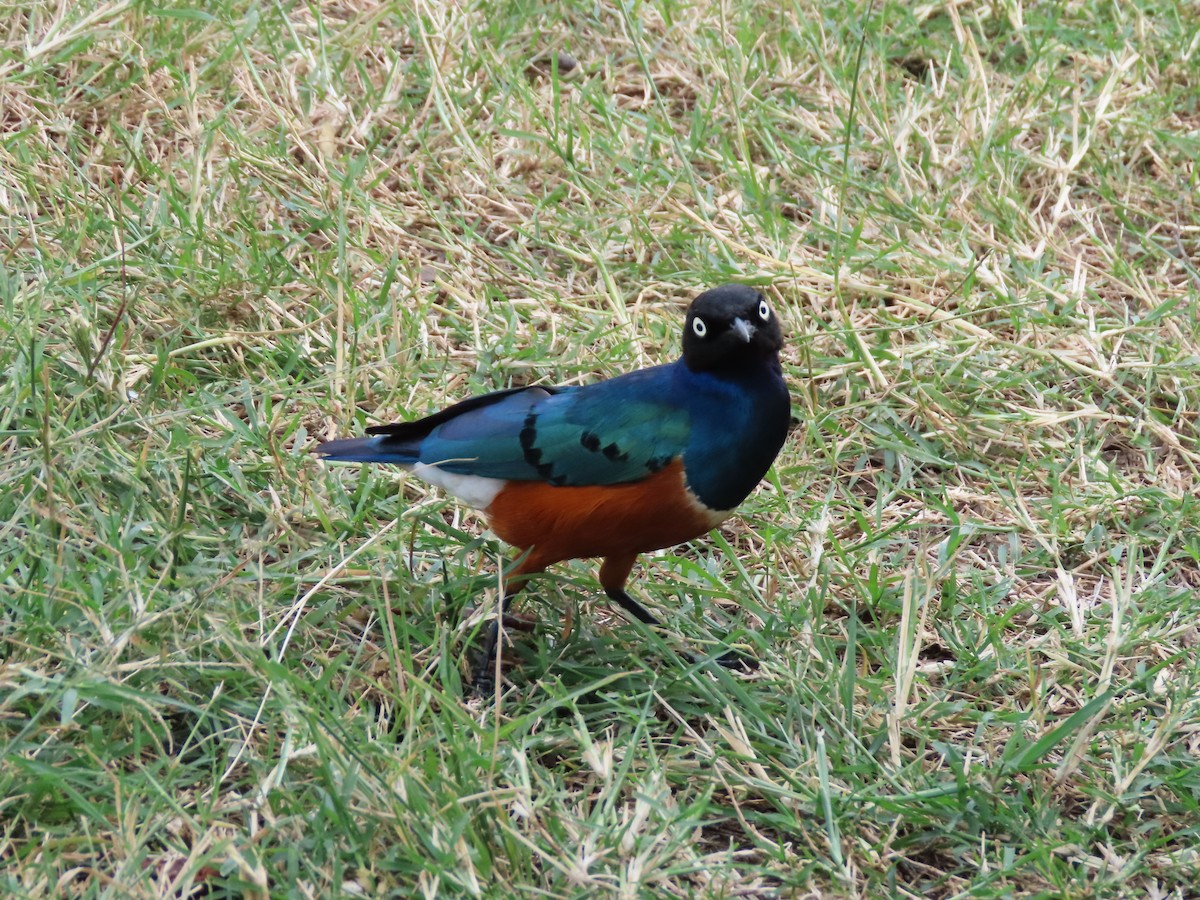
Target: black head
(729,327)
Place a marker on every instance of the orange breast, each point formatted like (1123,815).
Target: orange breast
(620,519)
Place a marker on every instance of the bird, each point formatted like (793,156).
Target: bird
(612,469)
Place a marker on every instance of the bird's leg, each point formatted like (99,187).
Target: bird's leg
(483,678)
(631,606)
(736,659)
(613,573)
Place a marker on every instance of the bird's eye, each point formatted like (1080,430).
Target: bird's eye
(698,327)
(764,311)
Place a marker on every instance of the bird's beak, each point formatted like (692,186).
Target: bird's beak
(743,329)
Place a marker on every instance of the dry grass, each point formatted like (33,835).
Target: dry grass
(971,577)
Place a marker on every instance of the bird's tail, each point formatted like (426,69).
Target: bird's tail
(379,449)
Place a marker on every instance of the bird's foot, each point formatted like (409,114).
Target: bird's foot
(483,681)
(735,659)
(483,672)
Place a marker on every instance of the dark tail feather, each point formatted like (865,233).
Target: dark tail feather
(369,450)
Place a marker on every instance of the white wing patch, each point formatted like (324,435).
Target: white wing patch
(470,489)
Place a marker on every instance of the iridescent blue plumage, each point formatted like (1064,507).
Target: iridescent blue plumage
(727,431)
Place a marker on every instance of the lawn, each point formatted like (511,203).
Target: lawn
(230,231)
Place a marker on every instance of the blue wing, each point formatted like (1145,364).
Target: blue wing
(614,431)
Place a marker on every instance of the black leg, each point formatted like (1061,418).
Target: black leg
(730,659)
(631,606)
(483,676)
(735,659)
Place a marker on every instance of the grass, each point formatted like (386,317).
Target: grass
(230,231)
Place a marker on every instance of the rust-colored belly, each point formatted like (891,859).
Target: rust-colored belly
(620,519)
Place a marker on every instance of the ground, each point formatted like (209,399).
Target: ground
(230,231)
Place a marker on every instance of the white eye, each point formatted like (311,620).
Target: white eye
(698,327)
(764,311)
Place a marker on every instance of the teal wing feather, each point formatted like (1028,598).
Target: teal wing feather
(612,432)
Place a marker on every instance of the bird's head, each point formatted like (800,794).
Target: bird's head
(729,326)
